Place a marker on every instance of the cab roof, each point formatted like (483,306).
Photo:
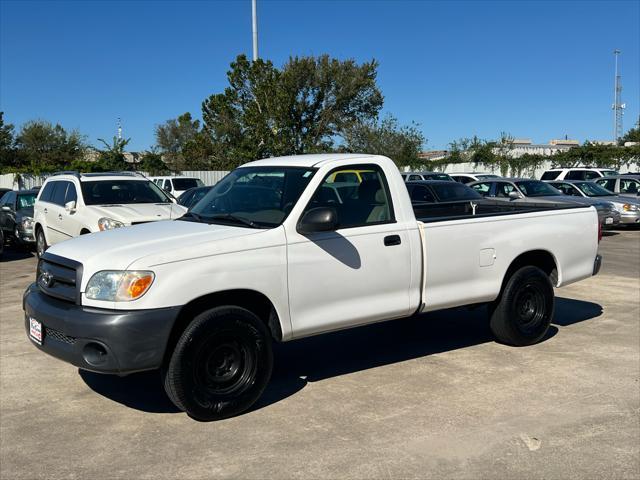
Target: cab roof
(309,160)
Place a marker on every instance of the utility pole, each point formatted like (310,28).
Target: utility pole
(618,107)
(119,128)
(254,24)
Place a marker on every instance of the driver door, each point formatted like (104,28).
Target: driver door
(357,274)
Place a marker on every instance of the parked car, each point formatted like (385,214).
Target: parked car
(472,176)
(176,186)
(628,208)
(16,216)
(580,173)
(192,196)
(528,190)
(203,298)
(626,185)
(72,204)
(439,191)
(418,176)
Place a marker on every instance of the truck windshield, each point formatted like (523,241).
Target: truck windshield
(26,200)
(536,188)
(121,192)
(591,189)
(258,197)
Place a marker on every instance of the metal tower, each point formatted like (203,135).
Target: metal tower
(254,28)
(119,129)
(618,107)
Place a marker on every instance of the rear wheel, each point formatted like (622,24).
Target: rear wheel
(220,365)
(523,313)
(41,242)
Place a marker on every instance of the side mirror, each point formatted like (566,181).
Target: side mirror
(70,206)
(513,195)
(320,219)
(6,208)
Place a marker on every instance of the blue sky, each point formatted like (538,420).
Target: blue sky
(539,70)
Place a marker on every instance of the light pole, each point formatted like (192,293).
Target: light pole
(254,24)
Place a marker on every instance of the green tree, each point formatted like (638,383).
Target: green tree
(112,158)
(8,157)
(402,144)
(44,147)
(301,108)
(175,139)
(633,135)
(152,163)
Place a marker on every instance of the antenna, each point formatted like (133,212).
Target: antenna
(119,128)
(254,26)
(618,107)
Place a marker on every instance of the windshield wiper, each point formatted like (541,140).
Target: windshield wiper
(190,217)
(233,218)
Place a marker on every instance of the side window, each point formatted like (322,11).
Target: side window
(413,178)
(420,193)
(482,188)
(3,198)
(167,185)
(345,177)
(575,175)
(72,194)
(8,200)
(609,184)
(368,204)
(464,180)
(550,175)
(47,192)
(628,185)
(590,175)
(59,193)
(504,189)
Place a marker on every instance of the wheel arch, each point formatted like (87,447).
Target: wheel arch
(252,300)
(543,259)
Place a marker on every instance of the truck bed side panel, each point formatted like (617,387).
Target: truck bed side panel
(465,261)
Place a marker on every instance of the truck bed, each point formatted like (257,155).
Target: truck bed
(440,212)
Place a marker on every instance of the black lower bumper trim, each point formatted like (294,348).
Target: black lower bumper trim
(106,341)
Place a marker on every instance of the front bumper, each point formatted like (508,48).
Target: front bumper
(630,218)
(100,340)
(24,236)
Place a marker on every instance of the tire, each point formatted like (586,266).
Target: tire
(523,312)
(41,242)
(220,365)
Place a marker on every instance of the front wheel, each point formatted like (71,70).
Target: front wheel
(41,243)
(220,365)
(523,312)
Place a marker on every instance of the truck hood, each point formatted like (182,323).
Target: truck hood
(140,212)
(142,246)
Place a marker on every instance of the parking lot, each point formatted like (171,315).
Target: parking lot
(431,396)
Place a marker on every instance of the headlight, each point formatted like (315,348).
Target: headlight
(629,208)
(106,223)
(119,285)
(27,223)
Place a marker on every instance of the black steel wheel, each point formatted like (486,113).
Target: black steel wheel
(220,365)
(523,312)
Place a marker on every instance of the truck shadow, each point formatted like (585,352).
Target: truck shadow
(325,356)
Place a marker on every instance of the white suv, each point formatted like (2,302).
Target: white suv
(581,173)
(71,204)
(176,186)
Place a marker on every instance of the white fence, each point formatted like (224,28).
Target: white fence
(23,181)
(14,181)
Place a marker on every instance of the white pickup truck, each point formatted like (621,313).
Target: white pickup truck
(279,250)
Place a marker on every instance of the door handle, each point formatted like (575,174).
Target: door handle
(392,240)
(59,216)
(45,210)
